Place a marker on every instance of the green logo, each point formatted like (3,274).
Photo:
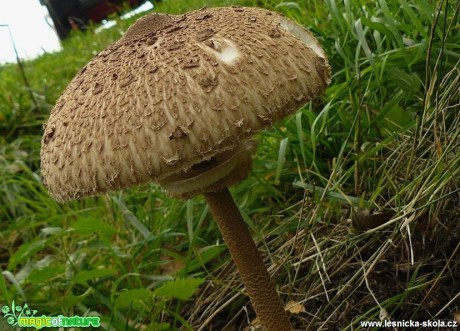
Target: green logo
(24,317)
(13,313)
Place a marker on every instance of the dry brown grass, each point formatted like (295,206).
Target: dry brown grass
(407,268)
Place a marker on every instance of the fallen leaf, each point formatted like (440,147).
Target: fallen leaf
(362,219)
(383,314)
(254,326)
(294,307)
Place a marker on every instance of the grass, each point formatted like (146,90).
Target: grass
(385,136)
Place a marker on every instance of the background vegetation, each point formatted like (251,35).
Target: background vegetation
(384,137)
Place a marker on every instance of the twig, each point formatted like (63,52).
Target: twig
(21,67)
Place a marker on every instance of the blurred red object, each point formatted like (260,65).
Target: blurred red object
(76,14)
(102,9)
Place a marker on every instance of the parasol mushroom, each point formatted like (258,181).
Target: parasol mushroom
(176,101)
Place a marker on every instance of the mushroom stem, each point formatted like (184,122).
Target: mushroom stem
(255,277)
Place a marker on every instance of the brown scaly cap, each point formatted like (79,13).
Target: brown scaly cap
(174,91)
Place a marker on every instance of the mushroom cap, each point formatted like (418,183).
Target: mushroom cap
(175,91)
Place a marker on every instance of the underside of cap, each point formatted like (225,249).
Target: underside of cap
(222,170)
(176,91)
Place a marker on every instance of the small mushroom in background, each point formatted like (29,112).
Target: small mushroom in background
(176,101)
(363,219)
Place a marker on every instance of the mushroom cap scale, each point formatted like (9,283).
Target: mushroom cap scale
(175,91)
